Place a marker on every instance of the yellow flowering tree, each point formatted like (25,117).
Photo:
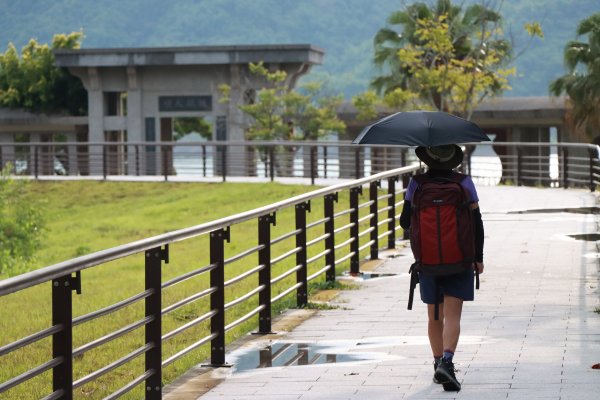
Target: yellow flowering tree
(445,81)
(440,56)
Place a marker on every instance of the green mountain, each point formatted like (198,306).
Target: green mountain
(343,28)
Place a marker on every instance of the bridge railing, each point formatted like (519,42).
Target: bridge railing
(161,316)
(542,164)
(534,164)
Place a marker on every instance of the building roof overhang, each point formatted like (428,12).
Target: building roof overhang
(192,55)
(497,112)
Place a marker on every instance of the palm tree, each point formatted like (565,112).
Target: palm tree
(582,82)
(470,32)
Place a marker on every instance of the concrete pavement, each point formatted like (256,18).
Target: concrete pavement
(533,330)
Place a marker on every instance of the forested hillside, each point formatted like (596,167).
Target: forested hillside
(343,28)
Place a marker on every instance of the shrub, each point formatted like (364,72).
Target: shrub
(21,222)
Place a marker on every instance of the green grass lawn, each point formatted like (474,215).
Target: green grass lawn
(83,217)
(88,216)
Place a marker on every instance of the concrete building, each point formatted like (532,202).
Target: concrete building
(135,94)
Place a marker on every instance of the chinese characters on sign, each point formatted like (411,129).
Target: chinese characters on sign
(185,103)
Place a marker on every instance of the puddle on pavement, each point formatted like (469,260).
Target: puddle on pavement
(575,210)
(588,237)
(291,354)
(369,275)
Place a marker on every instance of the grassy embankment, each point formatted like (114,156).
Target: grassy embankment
(83,217)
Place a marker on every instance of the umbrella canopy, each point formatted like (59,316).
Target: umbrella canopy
(421,128)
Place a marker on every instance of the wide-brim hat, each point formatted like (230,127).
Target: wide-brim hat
(440,157)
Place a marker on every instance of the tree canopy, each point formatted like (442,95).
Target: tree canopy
(442,56)
(279,113)
(32,81)
(582,80)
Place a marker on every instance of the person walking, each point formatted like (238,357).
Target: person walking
(444,295)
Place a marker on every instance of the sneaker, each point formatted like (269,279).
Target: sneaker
(445,375)
(436,363)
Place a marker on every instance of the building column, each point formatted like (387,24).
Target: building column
(235,123)
(95,121)
(135,126)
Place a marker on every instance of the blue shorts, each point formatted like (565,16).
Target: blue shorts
(459,285)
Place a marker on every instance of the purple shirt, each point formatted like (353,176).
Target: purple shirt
(466,183)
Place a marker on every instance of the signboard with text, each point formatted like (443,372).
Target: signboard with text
(185,103)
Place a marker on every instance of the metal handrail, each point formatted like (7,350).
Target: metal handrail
(156,250)
(46,274)
(305,143)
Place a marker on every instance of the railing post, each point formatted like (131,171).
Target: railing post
(217,298)
(357,163)
(405,182)
(224,162)
(36,161)
(137,160)
(325,162)
(355,192)
(330,231)
(313,164)
(519,166)
(62,341)
(153,333)
(264,276)
(374,219)
(204,160)
(392,212)
(302,273)
(272,163)
(565,171)
(163,153)
(104,166)
(592,157)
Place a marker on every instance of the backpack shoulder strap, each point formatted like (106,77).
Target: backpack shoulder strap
(457,177)
(420,179)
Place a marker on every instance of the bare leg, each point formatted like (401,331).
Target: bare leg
(451,329)
(435,330)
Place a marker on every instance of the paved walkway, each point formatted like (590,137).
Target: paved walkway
(532,332)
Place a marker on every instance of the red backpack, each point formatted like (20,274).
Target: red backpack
(441,229)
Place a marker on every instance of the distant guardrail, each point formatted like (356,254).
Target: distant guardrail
(519,163)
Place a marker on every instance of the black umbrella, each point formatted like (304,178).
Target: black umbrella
(421,128)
